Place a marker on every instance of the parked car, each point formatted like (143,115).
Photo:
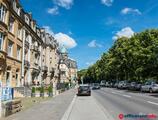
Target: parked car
(84,89)
(95,86)
(150,86)
(116,84)
(103,83)
(123,85)
(132,86)
(107,84)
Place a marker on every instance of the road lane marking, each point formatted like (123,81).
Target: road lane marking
(69,109)
(114,92)
(127,96)
(152,103)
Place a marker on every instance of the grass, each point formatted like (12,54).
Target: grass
(28,102)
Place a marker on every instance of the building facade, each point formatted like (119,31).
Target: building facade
(29,56)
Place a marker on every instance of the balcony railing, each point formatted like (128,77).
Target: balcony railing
(26,43)
(35,48)
(2,55)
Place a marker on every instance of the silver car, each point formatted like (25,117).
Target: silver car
(150,87)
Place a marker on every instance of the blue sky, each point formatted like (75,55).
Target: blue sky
(89,27)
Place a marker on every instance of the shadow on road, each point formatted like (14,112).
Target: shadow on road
(154,95)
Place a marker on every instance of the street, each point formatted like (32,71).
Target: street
(122,102)
(109,103)
(103,104)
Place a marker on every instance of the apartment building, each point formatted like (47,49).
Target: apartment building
(10,45)
(29,56)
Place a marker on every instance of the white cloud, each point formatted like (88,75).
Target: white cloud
(64,3)
(94,44)
(107,2)
(49,30)
(130,11)
(53,11)
(65,40)
(125,32)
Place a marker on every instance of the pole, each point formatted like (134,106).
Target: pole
(0,99)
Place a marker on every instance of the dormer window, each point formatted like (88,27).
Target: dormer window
(27,19)
(3,11)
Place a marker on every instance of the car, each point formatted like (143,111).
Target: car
(116,84)
(84,89)
(107,84)
(132,86)
(103,83)
(123,85)
(95,86)
(150,86)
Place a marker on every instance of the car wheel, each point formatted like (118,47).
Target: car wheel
(150,90)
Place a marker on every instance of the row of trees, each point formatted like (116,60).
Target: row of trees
(134,59)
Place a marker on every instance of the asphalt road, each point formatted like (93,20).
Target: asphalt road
(124,102)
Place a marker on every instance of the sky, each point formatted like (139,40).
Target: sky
(88,28)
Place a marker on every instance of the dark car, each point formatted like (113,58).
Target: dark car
(95,86)
(84,90)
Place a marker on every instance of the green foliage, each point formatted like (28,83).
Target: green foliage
(50,89)
(134,59)
(33,90)
(42,90)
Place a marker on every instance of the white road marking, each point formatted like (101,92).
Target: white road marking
(69,109)
(152,103)
(114,92)
(127,96)
(122,95)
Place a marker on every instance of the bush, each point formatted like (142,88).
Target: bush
(33,89)
(33,92)
(50,89)
(42,90)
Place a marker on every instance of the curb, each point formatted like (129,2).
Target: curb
(68,111)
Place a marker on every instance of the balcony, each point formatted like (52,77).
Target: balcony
(36,68)
(51,69)
(44,68)
(27,43)
(2,55)
(26,63)
(35,48)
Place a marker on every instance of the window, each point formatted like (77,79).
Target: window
(10,48)
(2,13)
(18,53)
(1,41)
(17,77)
(8,78)
(27,19)
(11,24)
(19,32)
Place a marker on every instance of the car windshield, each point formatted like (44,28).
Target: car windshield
(78,59)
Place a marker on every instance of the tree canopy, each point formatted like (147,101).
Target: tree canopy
(133,59)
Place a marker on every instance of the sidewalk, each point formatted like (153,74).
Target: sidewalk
(52,109)
(85,108)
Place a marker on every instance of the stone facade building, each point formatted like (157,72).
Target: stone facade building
(29,56)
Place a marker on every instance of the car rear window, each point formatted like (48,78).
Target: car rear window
(84,87)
